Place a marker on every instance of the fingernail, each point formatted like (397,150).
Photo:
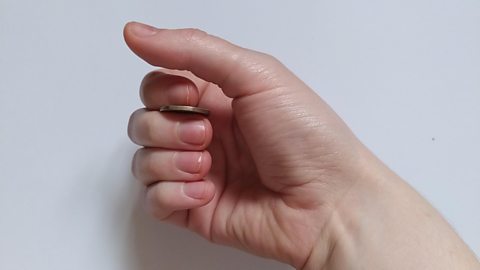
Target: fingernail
(192,132)
(142,30)
(195,190)
(189,162)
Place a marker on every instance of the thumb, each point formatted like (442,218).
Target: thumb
(234,69)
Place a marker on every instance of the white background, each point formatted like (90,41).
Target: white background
(405,75)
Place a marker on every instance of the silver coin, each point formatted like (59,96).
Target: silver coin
(184,109)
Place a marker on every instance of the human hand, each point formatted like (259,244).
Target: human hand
(273,170)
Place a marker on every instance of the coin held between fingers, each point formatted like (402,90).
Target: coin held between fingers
(184,109)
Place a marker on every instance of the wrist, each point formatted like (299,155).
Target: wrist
(349,217)
(382,223)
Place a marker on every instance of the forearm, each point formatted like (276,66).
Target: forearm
(382,223)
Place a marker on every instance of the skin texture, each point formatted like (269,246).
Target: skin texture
(273,170)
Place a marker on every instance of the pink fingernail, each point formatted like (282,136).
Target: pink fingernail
(192,132)
(195,190)
(189,162)
(142,30)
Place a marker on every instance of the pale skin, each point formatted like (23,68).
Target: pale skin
(273,170)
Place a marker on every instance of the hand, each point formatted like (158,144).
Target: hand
(273,170)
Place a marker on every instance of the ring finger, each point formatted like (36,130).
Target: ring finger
(151,165)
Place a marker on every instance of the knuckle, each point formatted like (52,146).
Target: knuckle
(154,203)
(194,34)
(141,165)
(159,197)
(147,83)
(134,166)
(154,74)
(131,127)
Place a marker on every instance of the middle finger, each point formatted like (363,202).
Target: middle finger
(169,130)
